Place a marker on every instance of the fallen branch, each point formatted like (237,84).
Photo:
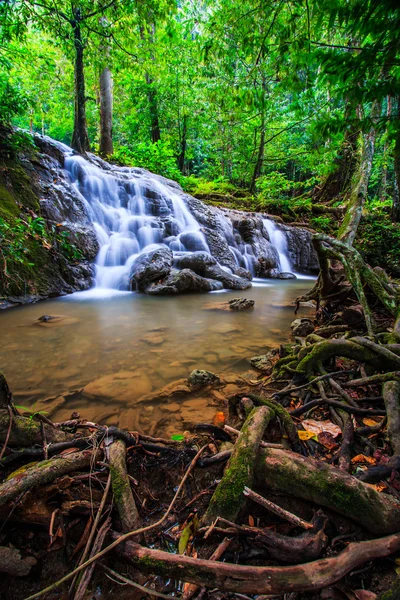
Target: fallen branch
(277,510)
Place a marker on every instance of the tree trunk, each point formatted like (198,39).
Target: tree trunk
(106,107)
(80,138)
(396,191)
(183,141)
(359,189)
(383,186)
(153,106)
(260,156)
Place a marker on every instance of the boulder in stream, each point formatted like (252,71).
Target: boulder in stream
(149,267)
(241,304)
(199,379)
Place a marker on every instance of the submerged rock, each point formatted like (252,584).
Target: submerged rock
(287,276)
(124,387)
(264,362)
(199,379)
(241,304)
(302,327)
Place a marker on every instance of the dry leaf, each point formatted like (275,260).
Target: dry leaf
(379,487)
(306,435)
(361,458)
(219,419)
(321,426)
(327,440)
(370,422)
(251,521)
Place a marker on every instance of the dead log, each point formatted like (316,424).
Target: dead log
(256,580)
(288,473)
(45,472)
(228,498)
(121,487)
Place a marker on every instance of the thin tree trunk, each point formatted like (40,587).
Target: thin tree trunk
(396,191)
(153,106)
(106,108)
(260,156)
(383,186)
(183,142)
(80,138)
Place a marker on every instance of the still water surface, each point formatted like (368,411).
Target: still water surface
(143,340)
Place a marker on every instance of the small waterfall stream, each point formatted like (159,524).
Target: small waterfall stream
(278,239)
(134,212)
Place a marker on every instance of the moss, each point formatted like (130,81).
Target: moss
(393,593)
(227,499)
(118,483)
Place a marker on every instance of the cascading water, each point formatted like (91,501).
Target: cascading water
(278,239)
(122,217)
(133,212)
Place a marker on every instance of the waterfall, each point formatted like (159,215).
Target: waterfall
(278,239)
(133,211)
(123,218)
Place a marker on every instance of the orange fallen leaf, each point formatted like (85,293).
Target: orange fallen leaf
(251,521)
(219,418)
(379,487)
(361,458)
(370,422)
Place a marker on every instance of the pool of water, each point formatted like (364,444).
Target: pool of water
(101,339)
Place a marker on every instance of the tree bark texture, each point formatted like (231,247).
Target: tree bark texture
(106,112)
(80,138)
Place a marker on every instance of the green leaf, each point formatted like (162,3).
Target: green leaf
(177,437)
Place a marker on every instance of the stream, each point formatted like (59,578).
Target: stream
(123,346)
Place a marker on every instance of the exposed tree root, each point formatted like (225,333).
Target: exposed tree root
(257,580)
(121,487)
(228,498)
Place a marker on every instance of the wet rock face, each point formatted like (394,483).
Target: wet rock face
(214,247)
(301,251)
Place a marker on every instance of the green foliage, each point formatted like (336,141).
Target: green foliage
(13,102)
(158,158)
(378,237)
(20,240)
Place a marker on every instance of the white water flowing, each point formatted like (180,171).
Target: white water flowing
(278,239)
(134,212)
(122,218)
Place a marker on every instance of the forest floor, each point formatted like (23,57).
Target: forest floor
(292,492)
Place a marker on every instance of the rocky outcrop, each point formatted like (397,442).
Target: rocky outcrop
(206,265)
